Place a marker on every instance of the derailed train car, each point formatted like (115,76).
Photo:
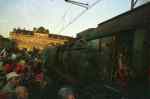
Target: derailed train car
(73,62)
(117,50)
(127,38)
(124,37)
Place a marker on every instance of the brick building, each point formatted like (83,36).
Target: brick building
(34,39)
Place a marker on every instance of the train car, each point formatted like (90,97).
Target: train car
(126,35)
(118,50)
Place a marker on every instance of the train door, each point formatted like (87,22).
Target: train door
(107,49)
(148,46)
(140,52)
(147,50)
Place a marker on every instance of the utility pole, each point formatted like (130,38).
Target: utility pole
(85,5)
(133,3)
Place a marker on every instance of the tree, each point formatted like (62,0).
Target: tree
(42,30)
(14,30)
(47,31)
(34,29)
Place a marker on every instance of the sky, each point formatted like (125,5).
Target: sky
(56,14)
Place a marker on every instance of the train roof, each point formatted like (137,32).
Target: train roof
(131,20)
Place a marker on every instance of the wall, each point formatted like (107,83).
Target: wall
(37,40)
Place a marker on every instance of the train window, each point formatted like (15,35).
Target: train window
(94,44)
(106,47)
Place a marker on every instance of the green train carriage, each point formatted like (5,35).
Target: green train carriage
(96,52)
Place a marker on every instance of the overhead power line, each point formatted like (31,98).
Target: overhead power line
(78,16)
(63,17)
(85,5)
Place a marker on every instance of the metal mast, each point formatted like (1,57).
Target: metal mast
(133,3)
(85,5)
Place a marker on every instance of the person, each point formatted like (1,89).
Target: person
(66,92)
(10,64)
(4,95)
(2,74)
(9,67)
(20,67)
(1,65)
(2,79)
(22,92)
(12,82)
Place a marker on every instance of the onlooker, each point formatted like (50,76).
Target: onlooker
(20,67)
(2,79)
(4,95)
(12,82)
(9,67)
(1,65)
(22,92)
(66,93)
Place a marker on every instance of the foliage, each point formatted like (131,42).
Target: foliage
(7,43)
(40,30)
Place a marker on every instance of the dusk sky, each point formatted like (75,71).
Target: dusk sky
(48,13)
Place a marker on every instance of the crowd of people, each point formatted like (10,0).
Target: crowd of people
(19,71)
(22,76)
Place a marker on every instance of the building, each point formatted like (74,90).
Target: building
(34,39)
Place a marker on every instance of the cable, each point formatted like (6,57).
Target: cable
(85,5)
(63,17)
(78,16)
